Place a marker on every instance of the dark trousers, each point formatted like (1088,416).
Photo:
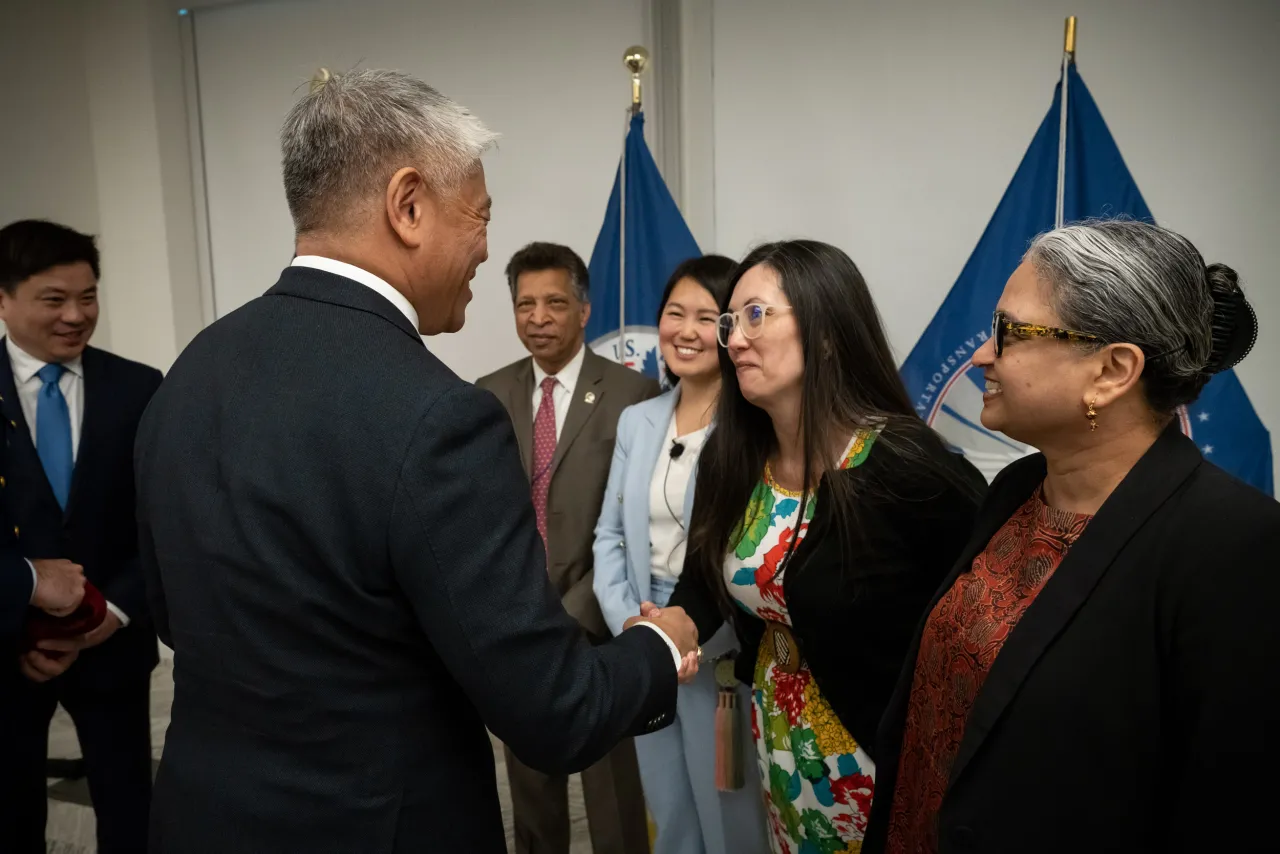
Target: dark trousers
(613,798)
(113,724)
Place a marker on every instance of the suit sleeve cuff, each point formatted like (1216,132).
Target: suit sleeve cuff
(35,581)
(675,650)
(120,615)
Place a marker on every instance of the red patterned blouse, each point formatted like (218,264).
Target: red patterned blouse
(962,637)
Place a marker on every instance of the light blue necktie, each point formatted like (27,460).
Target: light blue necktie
(53,433)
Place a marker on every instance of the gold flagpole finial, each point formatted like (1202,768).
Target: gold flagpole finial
(636,59)
(1069,42)
(321,78)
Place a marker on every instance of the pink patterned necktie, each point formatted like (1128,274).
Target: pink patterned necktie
(544,449)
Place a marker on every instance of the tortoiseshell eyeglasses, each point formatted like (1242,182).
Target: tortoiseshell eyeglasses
(1002,325)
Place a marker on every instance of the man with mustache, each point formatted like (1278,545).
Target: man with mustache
(565,401)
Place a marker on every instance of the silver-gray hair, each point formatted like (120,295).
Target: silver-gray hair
(1134,282)
(345,139)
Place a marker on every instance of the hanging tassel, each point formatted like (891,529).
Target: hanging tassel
(729,771)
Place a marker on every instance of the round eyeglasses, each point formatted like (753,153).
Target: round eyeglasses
(750,319)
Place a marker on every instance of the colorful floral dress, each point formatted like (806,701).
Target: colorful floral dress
(817,780)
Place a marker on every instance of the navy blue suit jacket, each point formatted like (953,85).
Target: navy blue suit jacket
(98,529)
(340,547)
(15,575)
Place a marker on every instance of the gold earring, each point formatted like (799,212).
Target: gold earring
(1092,415)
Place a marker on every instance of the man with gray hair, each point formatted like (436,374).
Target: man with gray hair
(338,535)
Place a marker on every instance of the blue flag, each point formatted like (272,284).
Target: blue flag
(948,393)
(657,241)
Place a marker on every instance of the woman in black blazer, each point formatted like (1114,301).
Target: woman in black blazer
(825,514)
(1099,672)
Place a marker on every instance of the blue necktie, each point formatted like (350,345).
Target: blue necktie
(53,433)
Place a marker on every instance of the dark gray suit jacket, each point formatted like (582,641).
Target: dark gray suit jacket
(579,469)
(341,550)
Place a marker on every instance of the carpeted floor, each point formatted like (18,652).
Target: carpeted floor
(71,826)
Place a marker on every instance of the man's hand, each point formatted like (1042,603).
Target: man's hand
(679,627)
(59,586)
(38,667)
(683,633)
(109,626)
(675,623)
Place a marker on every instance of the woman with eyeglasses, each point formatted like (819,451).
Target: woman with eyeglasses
(825,514)
(639,554)
(1100,670)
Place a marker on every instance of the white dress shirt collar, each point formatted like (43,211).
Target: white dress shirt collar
(25,366)
(364,277)
(568,375)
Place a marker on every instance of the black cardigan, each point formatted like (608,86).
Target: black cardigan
(1136,705)
(853,614)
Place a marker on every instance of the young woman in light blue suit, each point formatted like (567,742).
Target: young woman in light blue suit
(639,554)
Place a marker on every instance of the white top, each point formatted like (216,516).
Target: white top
(667,488)
(364,277)
(71,383)
(562,394)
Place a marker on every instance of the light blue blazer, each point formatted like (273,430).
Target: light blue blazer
(677,765)
(622,561)
(622,578)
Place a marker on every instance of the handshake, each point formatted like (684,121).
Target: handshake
(677,625)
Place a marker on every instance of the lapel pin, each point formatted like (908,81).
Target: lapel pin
(589,397)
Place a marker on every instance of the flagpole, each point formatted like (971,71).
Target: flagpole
(634,60)
(622,252)
(1068,57)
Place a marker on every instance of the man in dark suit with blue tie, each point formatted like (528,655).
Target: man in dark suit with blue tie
(73,412)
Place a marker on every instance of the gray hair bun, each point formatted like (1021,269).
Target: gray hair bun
(1235,326)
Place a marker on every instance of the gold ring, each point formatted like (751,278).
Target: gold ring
(699,655)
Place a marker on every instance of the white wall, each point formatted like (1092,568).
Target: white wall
(94,137)
(45,140)
(547,76)
(892,129)
(889,128)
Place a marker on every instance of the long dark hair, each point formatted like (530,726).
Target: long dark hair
(850,382)
(713,272)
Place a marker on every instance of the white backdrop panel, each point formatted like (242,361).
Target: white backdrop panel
(547,76)
(892,128)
